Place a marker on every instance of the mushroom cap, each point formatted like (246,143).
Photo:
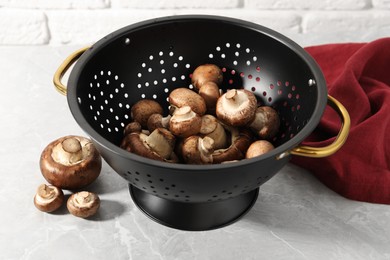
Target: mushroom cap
(48,198)
(205,73)
(209,91)
(266,122)
(158,145)
(132,127)
(186,97)
(83,204)
(185,122)
(74,175)
(240,141)
(212,128)
(197,150)
(158,121)
(236,107)
(143,109)
(258,148)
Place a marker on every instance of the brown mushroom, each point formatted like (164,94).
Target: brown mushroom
(185,122)
(158,145)
(186,97)
(157,121)
(143,109)
(210,92)
(48,198)
(70,162)
(239,143)
(206,73)
(132,127)
(197,150)
(83,204)
(212,128)
(236,107)
(266,122)
(258,148)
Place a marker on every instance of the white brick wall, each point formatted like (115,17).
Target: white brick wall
(57,22)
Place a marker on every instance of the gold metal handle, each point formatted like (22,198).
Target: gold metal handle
(318,152)
(64,67)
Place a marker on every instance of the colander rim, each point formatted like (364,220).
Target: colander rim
(282,149)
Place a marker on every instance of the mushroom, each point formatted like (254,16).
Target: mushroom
(210,92)
(236,107)
(186,97)
(266,122)
(158,145)
(143,109)
(258,148)
(197,150)
(70,162)
(132,127)
(83,204)
(48,198)
(239,143)
(185,122)
(212,128)
(157,120)
(206,73)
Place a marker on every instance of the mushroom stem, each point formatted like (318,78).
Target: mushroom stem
(72,146)
(206,148)
(83,198)
(46,192)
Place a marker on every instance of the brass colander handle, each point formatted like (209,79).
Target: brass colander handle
(318,152)
(64,67)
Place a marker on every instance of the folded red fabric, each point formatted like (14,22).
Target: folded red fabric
(358,75)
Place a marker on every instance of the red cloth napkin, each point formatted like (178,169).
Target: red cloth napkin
(358,75)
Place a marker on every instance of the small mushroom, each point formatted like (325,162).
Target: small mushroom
(206,73)
(186,97)
(143,109)
(236,107)
(197,150)
(158,145)
(212,128)
(83,204)
(70,162)
(157,121)
(239,143)
(266,122)
(185,122)
(258,148)
(48,198)
(132,127)
(210,92)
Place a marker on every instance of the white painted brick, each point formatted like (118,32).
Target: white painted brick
(175,4)
(308,4)
(85,27)
(56,4)
(23,27)
(346,21)
(381,4)
(281,21)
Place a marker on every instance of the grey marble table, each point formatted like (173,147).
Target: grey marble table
(295,216)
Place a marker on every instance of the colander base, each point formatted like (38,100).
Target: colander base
(193,216)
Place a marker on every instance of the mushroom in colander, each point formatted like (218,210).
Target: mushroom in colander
(236,107)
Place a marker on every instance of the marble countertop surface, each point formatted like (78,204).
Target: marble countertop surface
(295,216)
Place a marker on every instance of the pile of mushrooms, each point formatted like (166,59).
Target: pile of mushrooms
(71,163)
(204,125)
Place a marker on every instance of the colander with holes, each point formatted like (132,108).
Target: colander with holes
(148,60)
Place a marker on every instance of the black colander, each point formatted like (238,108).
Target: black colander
(147,60)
